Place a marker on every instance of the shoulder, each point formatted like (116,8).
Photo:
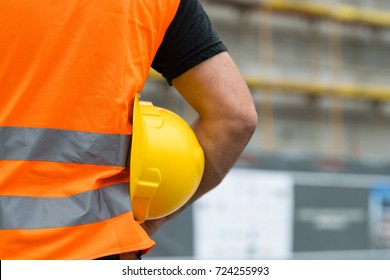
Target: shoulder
(189,40)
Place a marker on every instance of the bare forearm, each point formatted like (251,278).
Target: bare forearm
(227,117)
(222,146)
(226,122)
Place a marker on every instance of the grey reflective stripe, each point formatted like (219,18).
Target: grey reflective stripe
(18,212)
(63,146)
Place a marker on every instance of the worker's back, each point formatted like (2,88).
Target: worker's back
(69,71)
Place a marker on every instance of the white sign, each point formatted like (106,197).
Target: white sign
(248,216)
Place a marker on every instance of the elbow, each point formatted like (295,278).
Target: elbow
(252,120)
(247,123)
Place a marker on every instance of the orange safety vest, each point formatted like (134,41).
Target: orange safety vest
(69,71)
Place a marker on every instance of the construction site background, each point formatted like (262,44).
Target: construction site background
(319,74)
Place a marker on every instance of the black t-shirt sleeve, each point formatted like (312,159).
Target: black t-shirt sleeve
(189,40)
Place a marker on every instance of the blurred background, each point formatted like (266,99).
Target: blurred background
(314,182)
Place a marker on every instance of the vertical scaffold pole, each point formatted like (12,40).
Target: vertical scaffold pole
(266,114)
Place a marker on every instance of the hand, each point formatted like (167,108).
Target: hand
(128,256)
(152,226)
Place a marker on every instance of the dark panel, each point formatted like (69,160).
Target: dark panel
(330,218)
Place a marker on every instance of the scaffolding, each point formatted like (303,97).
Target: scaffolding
(336,14)
(266,85)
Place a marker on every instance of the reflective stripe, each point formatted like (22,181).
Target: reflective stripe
(63,146)
(89,207)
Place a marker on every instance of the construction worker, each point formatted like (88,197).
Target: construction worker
(69,74)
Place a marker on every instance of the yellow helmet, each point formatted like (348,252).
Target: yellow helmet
(166,162)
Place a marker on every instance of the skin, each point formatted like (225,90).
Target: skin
(227,120)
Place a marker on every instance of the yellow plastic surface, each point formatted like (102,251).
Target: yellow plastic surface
(166,163)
